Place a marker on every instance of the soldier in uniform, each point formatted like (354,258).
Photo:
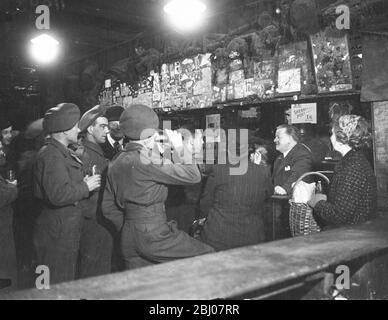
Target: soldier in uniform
(96,241)
(60,185)
(136,191)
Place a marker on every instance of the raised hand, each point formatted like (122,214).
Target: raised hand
(175,139)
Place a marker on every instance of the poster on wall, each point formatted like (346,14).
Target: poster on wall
(289,81)
(304,113)
(331,62)
(213,125)
(293,56)
(264,75)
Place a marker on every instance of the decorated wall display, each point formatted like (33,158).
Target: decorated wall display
(294,70)
(219,94)
(198,102)
(264,78)
(289,81)
(230,92)
(183,84)
(240,70)
(331,62)
(236,76)
(250,87)
(239,89)
(143,98)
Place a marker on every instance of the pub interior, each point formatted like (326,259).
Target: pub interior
(240,150)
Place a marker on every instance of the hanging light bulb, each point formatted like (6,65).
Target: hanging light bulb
(185,15)
(44,48)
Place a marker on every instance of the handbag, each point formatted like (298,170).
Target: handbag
(301,218)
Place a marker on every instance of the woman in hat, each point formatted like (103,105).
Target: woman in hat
(353,190)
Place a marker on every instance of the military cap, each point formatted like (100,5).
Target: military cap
(136,119)
(90,116)
(62,117)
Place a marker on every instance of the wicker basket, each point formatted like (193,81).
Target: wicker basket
(301,217)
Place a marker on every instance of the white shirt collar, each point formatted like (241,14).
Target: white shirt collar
(287,152)
(112,141)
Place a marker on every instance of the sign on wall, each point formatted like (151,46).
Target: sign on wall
(304,113)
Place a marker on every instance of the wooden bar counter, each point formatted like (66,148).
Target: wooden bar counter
(256,271)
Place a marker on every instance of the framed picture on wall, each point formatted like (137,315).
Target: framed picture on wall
(331,62)
(295,70)
(264,78)
(289,81)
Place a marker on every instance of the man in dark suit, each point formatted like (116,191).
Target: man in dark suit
(115,139)
(295,160)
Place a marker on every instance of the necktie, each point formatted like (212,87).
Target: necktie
(117,146)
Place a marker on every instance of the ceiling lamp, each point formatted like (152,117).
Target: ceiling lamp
(44,48)
(185,15)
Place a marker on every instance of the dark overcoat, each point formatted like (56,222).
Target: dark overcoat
(237,206)
(96,240)
(58,182)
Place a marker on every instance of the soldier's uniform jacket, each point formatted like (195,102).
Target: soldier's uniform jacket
(134,200)
(96,241)
(93,156)
(58,182)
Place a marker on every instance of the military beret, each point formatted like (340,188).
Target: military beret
(137,118)
(90,116)
(62,117)
(113,113)
(4,122)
